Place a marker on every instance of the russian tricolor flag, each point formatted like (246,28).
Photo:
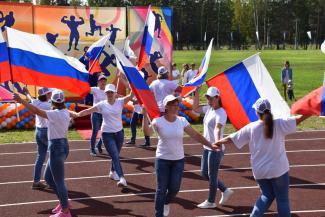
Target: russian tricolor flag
(312,104)
(240,87)
(94,52)
(200,75)
(147,39)
(4,61)
(34,61)
(138,84)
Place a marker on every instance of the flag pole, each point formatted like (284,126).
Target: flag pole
(11,83)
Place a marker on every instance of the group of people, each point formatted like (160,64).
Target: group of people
(265,138)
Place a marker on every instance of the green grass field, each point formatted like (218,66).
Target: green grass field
(308,73)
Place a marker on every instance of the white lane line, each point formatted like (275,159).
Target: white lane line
(268,213)
(152,157)
(153,146)
(151,173)
(144,193)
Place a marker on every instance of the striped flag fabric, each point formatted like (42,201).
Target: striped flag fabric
(240,87)
(311,104)
(94,52)
(34,61)
(137,84)
(128,52)
(147,39)
(200,75)
(4,61)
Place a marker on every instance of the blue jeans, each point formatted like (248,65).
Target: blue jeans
(133,124)
(113,143)
(277,188)
(42,143)
(210,164)
(168,177)
(54,170)
(96,123)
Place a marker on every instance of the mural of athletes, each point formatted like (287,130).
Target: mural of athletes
(162,47)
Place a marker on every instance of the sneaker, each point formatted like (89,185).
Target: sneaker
(145,145)
(93,154)
(207,205)
(113,175)
(166,209)
(58,208)
(61,214)
(225,196)
(122,183)
(38,185)
(130,143)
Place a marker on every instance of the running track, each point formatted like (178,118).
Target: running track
(94,194)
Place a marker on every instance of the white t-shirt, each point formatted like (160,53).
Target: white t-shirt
(138,108)
(170,140)
(58,121)
(188,75)
(161,88)
(112,115)
(211,119)
(175,74)
(268,156)
(99,95)
(39,121)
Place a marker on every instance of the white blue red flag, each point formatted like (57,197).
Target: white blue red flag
(138,84)
(34,61)
(312,104)
(241,85)
(200,75)
(147,39)
(94,52)
(4,61)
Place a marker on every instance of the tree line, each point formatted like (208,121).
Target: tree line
(235,24)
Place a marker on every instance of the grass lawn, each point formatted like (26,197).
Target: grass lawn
(308,74)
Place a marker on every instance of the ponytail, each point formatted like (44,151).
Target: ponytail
(267,118)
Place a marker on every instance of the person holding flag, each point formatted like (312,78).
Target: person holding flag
(214,122)
(270,166)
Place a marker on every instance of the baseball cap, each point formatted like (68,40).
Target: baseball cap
(261,105)
(43,91)
(110,87)
(57,96)
(102,77)
(212,92)
(162,70)
(169,98)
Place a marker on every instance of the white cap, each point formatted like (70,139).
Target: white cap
(110,87)
(57,96)
(261,105)
(102,77)
(43,91)
(212,92)
(169,98)
(162,70)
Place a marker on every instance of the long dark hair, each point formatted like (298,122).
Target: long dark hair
(58,105)
(267,119)
(42,98)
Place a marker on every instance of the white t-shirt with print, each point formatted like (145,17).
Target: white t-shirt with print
(99,95)
(112,115)
(58,123)
(39,121)
(211,119)
(161,88)
(170,140)
(268,156)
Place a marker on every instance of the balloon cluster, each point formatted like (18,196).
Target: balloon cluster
(186,110)
(9,120)
(127,113)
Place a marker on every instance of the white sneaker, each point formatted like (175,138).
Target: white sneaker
(113,175)
(225,196)
(122,183)
(166,209)
(207,205)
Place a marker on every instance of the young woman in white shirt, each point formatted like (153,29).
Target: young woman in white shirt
(112,128)
(214,122)
(96,118)
(169,164)
(58,124)
(269,161)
